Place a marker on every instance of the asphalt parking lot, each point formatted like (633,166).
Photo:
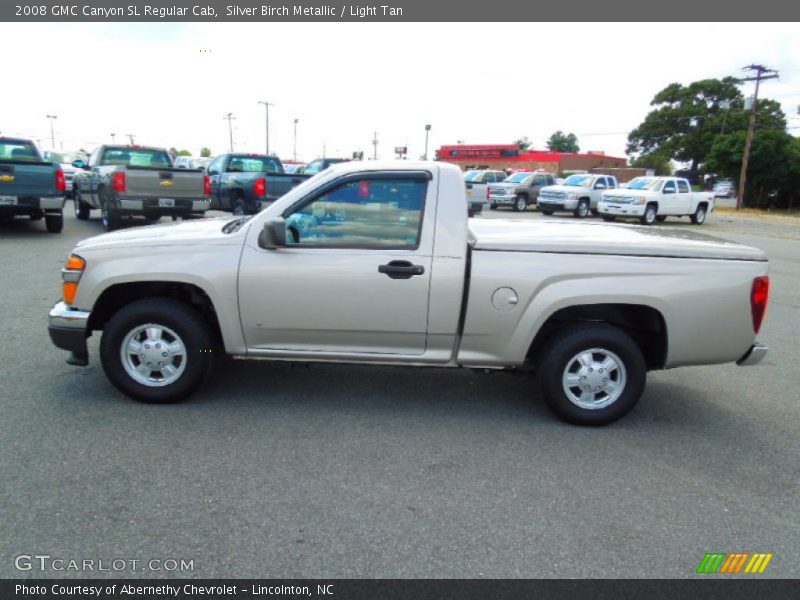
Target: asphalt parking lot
(281,470)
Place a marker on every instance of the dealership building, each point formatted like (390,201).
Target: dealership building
(509,156)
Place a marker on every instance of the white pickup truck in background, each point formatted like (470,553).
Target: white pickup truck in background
(377,262)
(578,194)
(477,186)
(651,199)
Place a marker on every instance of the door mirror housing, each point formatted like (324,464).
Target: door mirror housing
(273,235)
(79,164)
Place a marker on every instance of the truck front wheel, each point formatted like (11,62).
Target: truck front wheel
(520,203)
(156,350)
(582,210)
(650,214)
(591,374)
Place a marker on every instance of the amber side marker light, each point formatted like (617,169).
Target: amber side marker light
(70,276)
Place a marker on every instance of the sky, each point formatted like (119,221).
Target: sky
(171,84)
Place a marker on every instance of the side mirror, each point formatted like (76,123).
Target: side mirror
(78,164)
(273,236)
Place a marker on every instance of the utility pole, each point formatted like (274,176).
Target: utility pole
(762,73)
(130,137)
(230,118)
(52,132)
(375,146)
(294,154)
(427,130)
(113,138)
(266,106)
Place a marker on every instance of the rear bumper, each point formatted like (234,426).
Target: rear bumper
(68,329)
(22,205)
(754,355)
(155,205)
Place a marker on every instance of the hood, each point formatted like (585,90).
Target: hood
(187,233)
(504,186)
(604,238)
(566,189)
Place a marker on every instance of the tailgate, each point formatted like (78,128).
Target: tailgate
(280,183)
(476,191)
(163,183)
(21,178)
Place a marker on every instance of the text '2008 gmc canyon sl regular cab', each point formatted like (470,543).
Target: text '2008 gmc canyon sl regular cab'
(378,263)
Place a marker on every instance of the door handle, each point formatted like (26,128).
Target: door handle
(401,269)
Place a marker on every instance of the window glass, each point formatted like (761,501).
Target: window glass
(313,167)
(20,150)
(540,180)
(253,164)
(362,213)
(669,186)
(612,183)
(683,187)
(94,157)
(136,157)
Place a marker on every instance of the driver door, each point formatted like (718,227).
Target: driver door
(354,275)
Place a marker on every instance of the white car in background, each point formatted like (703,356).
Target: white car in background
(652,199)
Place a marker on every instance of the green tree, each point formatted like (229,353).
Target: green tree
(524,143)
(184,153)
(205,152)
(660,164)
(563,142)
(686,120)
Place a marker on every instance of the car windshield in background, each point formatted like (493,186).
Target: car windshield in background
(65,157)
(199,163)
(578,180)
(644,183)
(253,164)
(17,151)
(135,157)
(517,178)
(472,175)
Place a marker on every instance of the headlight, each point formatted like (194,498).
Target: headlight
(70,276)
(639,200)
(572,195)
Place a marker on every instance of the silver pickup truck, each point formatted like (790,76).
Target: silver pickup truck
(372,262)
(124,181)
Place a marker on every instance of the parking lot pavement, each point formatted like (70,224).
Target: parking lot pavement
(282,470)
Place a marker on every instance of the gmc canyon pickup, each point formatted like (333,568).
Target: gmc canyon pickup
(377,262)
(124,181)
(30,186)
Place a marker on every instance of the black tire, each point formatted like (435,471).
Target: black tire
(110,216)
(546,213)
(193,332)
(493,207)
(152,219)
(520,203)
(237,206)
(609,218)
(54,222)
(82,210)
(699,216)
(559,355)
(583,209)
(661,218)
(650,214)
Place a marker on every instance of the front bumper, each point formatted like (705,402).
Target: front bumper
(621,210)
(155,205)
(68,329)
(504,199)
(754,355)
(554,205)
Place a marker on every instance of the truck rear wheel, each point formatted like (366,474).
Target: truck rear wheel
(156,350)
(54,222)
(110,217)
(591,374)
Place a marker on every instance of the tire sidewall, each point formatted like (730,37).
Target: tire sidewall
(650,209)
(583,210)
(520,199)
(700,215)
(564,345)
(184,321)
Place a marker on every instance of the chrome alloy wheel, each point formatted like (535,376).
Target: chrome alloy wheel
(594,378)
(153,355)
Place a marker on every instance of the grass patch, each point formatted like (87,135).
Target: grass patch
(758,212)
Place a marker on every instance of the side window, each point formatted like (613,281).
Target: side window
(683,186)
(215,165)
(669,187)
(94,157)
(366,213)
(612,183)
(540,180)
(313,167)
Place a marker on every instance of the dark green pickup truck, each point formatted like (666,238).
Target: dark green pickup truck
(245,183)
(30,186)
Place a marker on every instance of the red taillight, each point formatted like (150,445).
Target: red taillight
(118,182)
(206,185)
(759,296)
(61,183)
(260,187)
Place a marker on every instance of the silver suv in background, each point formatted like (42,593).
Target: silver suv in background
(579,194)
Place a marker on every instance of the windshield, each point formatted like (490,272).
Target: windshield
(578,180)
(472,175)
(517,178)
(18,151)
(199,163)
(254,164)
(136,157)
(644,183)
